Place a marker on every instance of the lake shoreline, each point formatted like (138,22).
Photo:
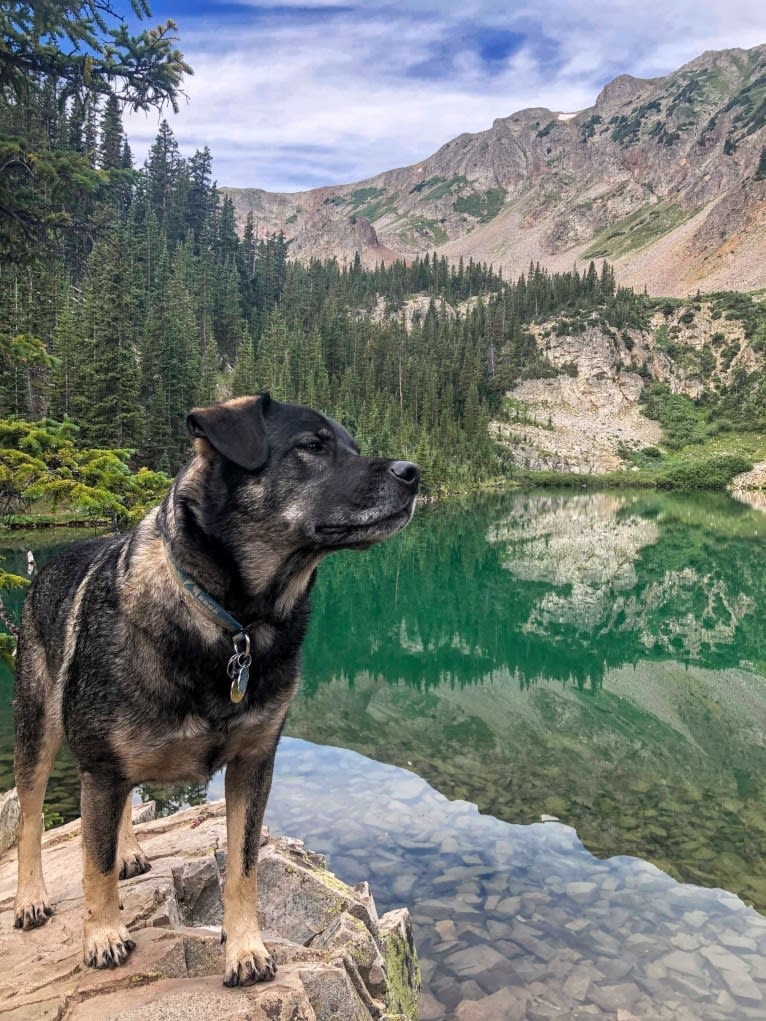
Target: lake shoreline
(625,479)
(335,954)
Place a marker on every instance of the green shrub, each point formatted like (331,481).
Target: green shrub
(484,206)
(361,196)
(706,360)
(42,461)
(669,307)
(682,422)
(713,473)
(729,353)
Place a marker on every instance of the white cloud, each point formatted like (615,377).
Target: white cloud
(292,99)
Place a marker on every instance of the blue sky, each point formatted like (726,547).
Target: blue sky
(293,95)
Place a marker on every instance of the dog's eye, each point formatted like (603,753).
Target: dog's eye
(313,445)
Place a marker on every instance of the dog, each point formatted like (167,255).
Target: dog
(172,650)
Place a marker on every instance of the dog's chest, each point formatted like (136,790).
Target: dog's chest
(195,748)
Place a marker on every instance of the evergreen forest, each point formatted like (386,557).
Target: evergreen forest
(128,295)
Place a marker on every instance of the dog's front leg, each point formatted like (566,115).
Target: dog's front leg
(107,941)
(248,782)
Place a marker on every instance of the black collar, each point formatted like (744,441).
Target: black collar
(238,668)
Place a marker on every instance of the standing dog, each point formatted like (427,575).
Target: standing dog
(173,650)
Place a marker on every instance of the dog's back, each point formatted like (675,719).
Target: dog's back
(48,607)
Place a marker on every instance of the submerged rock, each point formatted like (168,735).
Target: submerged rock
(337,960)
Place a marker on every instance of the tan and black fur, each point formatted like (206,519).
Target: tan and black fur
(115,656)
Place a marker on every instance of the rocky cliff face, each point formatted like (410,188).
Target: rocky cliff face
(665,177)
(586,418)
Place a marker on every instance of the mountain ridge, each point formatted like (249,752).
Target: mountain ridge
(665,177)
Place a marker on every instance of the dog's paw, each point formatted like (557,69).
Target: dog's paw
(31,912)
(133,863)
(247,962)
(107,947)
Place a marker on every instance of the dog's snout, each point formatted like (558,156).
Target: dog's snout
(408,472)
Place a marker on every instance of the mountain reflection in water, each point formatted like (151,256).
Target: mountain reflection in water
(595,657)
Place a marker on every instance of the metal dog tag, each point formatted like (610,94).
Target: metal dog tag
(238,668)
(239,684)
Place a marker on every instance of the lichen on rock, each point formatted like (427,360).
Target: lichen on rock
(401,962)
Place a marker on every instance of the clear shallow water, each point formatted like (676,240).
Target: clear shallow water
(517,921)
(594,657)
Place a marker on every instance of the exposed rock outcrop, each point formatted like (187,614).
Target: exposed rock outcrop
(587,418)
(337,960)
(578,424)
(750,487)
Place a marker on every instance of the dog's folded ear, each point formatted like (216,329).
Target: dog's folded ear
(236,429)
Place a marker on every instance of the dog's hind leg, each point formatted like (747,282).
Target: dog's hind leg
(38,739)
(131,859)
(102,802)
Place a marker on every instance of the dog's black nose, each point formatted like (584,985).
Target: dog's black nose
(406,471)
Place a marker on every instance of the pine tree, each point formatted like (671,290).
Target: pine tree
(75,125)
(244,378)
(166,192)
(200,199)
(170,364)
(312,381)
(273,358)
(90,133)
(607,281)
(227,320)
(228,240)
(67,349)
(208,385)
(249,248)
(105,403)
(112,136)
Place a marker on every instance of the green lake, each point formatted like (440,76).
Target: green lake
(596,659)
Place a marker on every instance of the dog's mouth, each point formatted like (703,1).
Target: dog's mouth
(382,526)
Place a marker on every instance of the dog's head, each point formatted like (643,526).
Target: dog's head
(298,477)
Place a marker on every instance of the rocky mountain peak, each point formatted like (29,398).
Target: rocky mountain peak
(528,117)
(621,90)
(665,177)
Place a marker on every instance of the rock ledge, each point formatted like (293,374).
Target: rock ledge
(338,961)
